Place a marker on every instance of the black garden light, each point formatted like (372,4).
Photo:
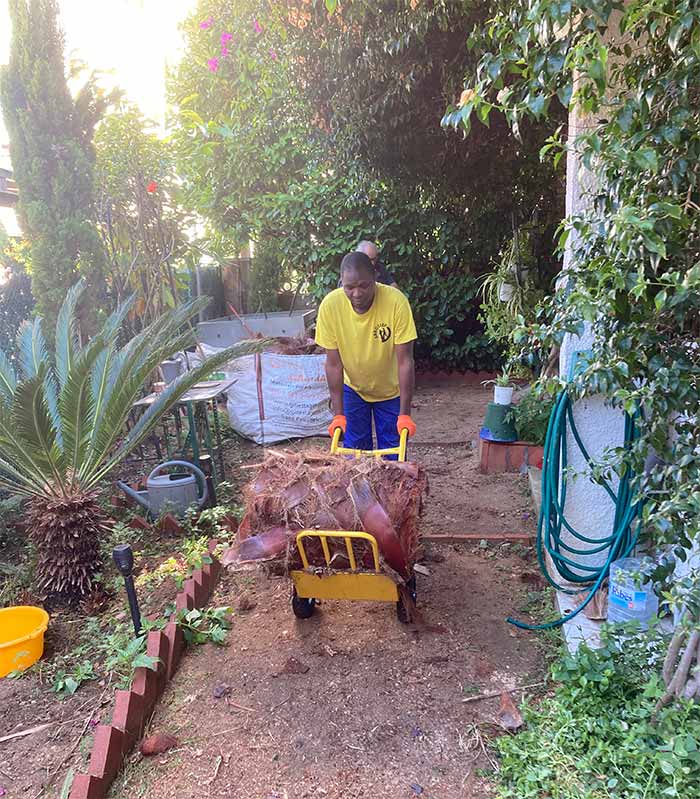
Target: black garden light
(206,465)
(124,561)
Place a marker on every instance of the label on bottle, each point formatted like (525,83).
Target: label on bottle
(627,598)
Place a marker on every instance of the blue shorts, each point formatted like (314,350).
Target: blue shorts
(360,413)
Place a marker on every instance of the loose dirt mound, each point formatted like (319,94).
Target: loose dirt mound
(294,491)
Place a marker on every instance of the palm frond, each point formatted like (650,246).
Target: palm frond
(127,380)
(105,378)
(168,398)
(76,404)
(15,485)
(18,482)
(34,429)
(110,329)
(66,334)
(135,361)
(8,378)
(159,335)
(16,460)
(32,348)
(51,394)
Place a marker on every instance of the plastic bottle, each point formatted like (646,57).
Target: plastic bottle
(630,599)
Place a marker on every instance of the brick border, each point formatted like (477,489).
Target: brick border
(496,456)
(132,708)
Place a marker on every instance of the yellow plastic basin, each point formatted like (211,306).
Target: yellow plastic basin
(22,631)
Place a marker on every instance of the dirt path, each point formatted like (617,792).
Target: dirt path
(351,703)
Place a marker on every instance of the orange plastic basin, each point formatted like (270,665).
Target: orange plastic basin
(22,631)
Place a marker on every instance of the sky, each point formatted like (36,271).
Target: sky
(132,39)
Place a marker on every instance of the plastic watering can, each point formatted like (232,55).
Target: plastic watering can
(173,492)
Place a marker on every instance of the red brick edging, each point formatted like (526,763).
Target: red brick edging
(132,708)
(498,456)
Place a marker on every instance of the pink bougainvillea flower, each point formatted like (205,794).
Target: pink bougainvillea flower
(226,38)
(206,23)
(257,27)
(273,54)
(152,187)
(225,51)
(213,64)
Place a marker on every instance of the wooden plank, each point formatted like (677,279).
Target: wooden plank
(469,538)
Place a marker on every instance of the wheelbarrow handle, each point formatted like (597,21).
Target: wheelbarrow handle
(336,448)
(335,443)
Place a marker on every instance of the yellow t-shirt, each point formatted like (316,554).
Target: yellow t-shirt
(366,341)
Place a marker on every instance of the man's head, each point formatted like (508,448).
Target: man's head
(369,248)
(357,278)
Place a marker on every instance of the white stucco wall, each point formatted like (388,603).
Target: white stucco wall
(588,508)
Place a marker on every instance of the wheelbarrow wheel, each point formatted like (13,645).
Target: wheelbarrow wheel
(402,611)
(303,608)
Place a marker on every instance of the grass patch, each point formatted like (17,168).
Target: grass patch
(593,738)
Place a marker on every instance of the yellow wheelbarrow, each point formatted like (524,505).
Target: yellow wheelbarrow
(358,582)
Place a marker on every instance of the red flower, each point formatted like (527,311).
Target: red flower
(152,187)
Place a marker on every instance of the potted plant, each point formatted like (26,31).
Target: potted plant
(502,388)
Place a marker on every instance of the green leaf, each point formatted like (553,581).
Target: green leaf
(536,103)
(646,159)
(695,41)
(564,94)
(66,332)
(67,784)
(145,661)
(331,6)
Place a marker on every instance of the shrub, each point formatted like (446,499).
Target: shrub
(531,416)
(594,738)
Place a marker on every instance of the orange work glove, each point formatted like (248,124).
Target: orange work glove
(406,423)
(338,421)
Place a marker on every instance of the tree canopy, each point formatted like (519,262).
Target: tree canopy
(52,154)
(631,71)
(315,130)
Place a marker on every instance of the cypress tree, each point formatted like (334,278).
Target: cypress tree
(52,155)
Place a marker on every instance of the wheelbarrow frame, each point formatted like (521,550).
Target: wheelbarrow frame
(356,583)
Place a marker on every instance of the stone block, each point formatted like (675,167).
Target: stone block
(196,591)
(176,641)
(214,570)
(184,601)
(145,684)
(85,786)
(158,646)
(129,717)
(203,578)
(106,756)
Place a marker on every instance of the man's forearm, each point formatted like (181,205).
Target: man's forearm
(334,376)
(407,379)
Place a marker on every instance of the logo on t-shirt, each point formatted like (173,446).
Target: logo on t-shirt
(382,331)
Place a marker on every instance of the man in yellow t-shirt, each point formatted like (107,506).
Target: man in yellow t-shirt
(367,330)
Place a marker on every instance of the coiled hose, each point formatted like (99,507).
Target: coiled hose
(551,522)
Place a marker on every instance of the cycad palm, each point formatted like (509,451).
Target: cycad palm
(62,418)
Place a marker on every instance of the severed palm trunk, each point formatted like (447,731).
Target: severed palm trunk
(66,533)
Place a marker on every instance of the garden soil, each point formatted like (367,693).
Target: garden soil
(349,703)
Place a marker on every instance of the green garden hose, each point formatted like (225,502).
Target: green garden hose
(618,544)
